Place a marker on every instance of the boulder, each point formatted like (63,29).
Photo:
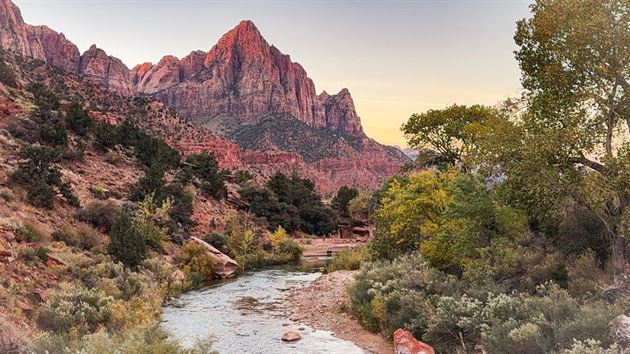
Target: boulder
(406,343)
(227,267)
(620,328)
(291,336)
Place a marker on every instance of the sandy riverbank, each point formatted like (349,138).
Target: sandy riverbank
(318,306)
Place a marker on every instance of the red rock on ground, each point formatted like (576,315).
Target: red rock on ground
(406,343)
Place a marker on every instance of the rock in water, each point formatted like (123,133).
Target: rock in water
(406,343)
(291,336)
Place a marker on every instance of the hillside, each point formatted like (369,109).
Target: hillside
(238,82)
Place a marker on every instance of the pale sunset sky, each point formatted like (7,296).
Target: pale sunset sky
(396,57)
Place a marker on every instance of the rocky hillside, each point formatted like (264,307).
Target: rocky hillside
(232,90)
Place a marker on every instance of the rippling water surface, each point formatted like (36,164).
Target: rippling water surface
(243,316)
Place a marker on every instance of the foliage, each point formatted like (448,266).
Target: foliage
(293,204)
(361,206)
(217,240)
(100,214)
(45,99)
(265,204)
(51,128)
(342,199)
(448,131)
(348,259)
(29,231)
(127,244)
(78,310)
(197,266)
(151,151)
(85,237)
(142,340)
(452,315)
(278,237)
(205,167)
(152,220)
(41,178)
(78,120)
(475,227)
(410,211)
(7,75)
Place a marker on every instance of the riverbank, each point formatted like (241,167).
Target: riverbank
(319,305)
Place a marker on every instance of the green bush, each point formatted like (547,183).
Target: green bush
(7,75)
(349,259)
(78,120)
(44,98)
(448,313)
(205,167)
(85,237)
(79,309)
(100,214)
(342,199)
(142,340)
(127,244)
(197,266)
(217,240)
(41,178)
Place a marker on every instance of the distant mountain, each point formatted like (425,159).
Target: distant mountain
(237,89)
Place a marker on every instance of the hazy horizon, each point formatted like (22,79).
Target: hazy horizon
(395,57)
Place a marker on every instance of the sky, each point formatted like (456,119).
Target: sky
(396,57)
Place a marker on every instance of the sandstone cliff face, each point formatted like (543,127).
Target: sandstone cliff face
(58,51)
(15,35)
(106,70)
(241,79)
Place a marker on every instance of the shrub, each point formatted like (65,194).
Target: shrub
(278,237)
(196,264)
(87,237)
(348,259)
(141,340)
(100,214)
(29,231)
(78,120)
(41,178)
(217,240)
(127,244)
(44,98)
(291,251)
(205,167)
(78,309)
(7,76)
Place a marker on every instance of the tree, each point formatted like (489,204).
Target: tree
(410,212)
(447,131)
(576,72)
(41,178)
(342,199)
(127,245)
(205,167)
(78,120)
(361,206)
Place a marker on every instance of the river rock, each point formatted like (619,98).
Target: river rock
(291,336)
(406,343)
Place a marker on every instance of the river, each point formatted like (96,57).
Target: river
(245,315)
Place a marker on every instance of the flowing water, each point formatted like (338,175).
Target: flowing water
(244,315)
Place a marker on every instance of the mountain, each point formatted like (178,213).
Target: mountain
(244,89)
(241,79)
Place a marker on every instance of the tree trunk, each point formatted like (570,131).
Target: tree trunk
(618,245)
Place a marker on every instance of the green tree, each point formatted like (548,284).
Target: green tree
(576,72)
(205,167)
(41,178)
(410,212)
(78,120)
(342,199)
(127,245)
(447,131)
